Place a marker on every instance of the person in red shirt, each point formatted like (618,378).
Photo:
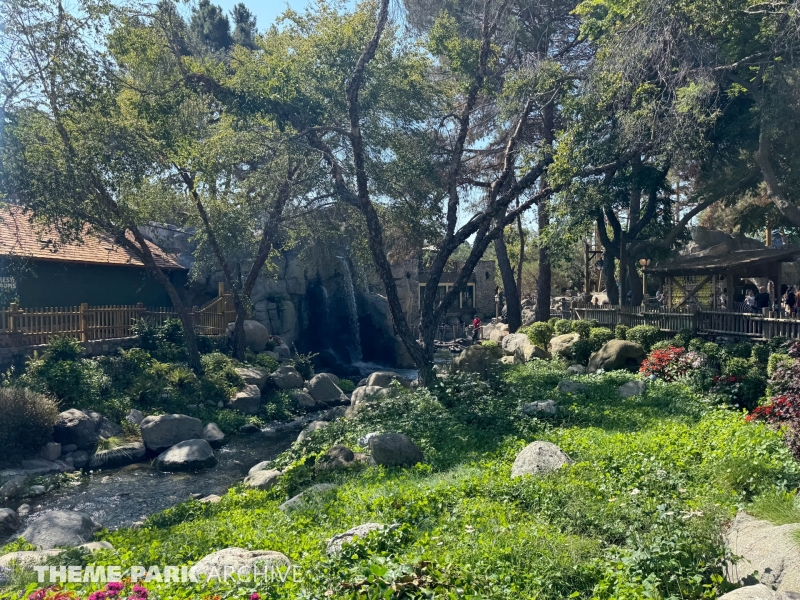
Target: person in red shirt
(476,328)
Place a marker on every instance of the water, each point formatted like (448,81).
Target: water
(350,293)
(119,497)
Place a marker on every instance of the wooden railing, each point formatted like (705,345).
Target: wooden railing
(21,327)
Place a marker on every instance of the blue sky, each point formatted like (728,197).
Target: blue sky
(266,11)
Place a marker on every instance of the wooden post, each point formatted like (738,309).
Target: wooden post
(731,287)
(221,289)
(777,283)
(587,280)
(84,311)
(12,317)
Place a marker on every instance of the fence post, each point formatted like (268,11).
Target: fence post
(12,317)
(221,289)
(84,329)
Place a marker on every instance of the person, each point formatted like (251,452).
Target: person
(476,328)
(660,296)
(723,300)
(762,299)
(750,301)
(791,302)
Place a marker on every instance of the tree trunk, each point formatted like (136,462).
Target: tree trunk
(776,194)
(610,276)
(634,283)
(544,281)
(513,304)
(521,262)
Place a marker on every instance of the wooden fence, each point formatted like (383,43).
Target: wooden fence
(21,327)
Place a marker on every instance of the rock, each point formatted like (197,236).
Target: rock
(213,435)
(14,487)
(125,454)
(95,546)
(262,480)
(162,432)
(337,457)
(512,342)
(538,458)
(67,449)
(189,455)
(287,378)
(632,388)
(497,335)
(478,358)
(255,334)
(283,352)
(247,401)
(75,427)
(394,449)
(562,344)
(37,490)
(239,562)
(51,451)
(59,528)
(210,499)
(23,510)
(262,466)
(304,400)
(384,379)
(332,414)
(336,543)
(363,395)
(510,360)
(103,427)
(301,498)
(565,386)
(253,376)
(40,466)
(617,354)
(311,428)
(751,592)
(9,520)
(544,407)
(576,370)
(27,558)
(323,389)
(249,428)
(766,549)
(134,417)
(80,458)
(528,352)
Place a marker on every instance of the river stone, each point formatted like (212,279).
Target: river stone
(74,426)
(384,379)
(304,400)
(301,498)
(528,352)
(135,417)
(750,592)
(617,354)
(336,543)
(632,388)
(287,378)
(364,394)
(566,386)
(253,376)
(394,449)
(766,549)
(27,558)
(59,528)
(538,458)
(256,336)
(248,400)
(543,407)
(14,487)
(576,370)
(68,449)
(213,435)
(40,466)
(9,521)
(51,451)
(239,562)
(262,480)
(478,358)
(103,427)
(337,457)
(311,428)
(80,458)
(512,342)
(189,455)
(262,466)
(23,510)
(95,546)
(323,389)
(162,432)
(125,454)
(210,499)
(562,344)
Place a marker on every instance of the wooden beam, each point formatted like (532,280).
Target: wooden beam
(694,291)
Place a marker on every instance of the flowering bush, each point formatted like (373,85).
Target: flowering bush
(114,590)
(671,363)
(784,408)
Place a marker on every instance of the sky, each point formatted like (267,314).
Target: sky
(266,11)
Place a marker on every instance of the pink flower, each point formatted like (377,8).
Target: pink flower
(38,594)
(255,596)
(98,595)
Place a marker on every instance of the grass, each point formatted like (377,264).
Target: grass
(637,515)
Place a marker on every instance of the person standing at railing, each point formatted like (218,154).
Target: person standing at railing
(762,299)
(476,328)
(750,301)
(790,302)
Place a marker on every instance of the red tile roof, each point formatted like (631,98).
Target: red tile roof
(20,237)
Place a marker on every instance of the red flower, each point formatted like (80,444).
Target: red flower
(733,379)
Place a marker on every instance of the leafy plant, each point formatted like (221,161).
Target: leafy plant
(346,386)
(761,353)
(539,334)
(582,328)
(645,335)
(304,363)
(27,418)
(562,326)
(621,332)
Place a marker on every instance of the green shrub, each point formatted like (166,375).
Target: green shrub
(760,353)
(696,344)
(663,345)
(683,337)
(581,351)
(219,370)
(264,361)
(777,343)
(27,418)
(164,342)
(645,335)
(621,332)
(582,328)
(562,326)
(304,363)
(738,350)
(346,386)
(539,334)
(552,321)
(229,420)
(777,360)
(599,336)
(711,349)
(736,367)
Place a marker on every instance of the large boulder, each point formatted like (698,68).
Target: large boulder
(255,334)
(14,487)
(617,354)
(384,379)
(76,427)
(214,435)
(394,450)
(364,394)
(248,400)
(59,528)
(262,479)
(770,551)
(253,376)
(512,342)
(336,543)
(240,563)
(562,344)
(751,592)
(478,358)
(287,378)
(538,458)
(9,520)
(632,388)
(323,389)
(164,431)
(189,455)
(567,386)
(50,451)
(304,400)
(124,454)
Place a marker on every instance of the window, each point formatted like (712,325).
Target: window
(466,298)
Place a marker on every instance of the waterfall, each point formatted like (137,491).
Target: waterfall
(350,292)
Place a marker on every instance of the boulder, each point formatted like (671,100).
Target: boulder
(135,417)
(67,449)
(59,528)
(538,458)
(51,451)
(497,335)
(80,458)
(189,455)
(96,546)
(510,360)
(562,344)
(632,388)
(306,495)
(394,449)
(479,358)
(9,520)
(311,428)
(566,386)
(103,427)
(255,334)
(770,551)
(287,378)
(527,352)
(210,499)
(248,400)
(576,370)
(124,454)
(27,558)
(323,389)
(336,543)
(304,400)
(541,408)
(337,457)
(213,435)
(253,376)
(617,354)
(361,396)
(40,466)
(75,427)
(262,466)
(240,563)
(751,592)
(262,480)
(384,379)
(512,342)
(162,432)
(14,487)
(282,351)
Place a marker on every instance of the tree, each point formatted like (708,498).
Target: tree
(210,27)
(244,27)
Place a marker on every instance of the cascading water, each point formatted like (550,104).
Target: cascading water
(350,292)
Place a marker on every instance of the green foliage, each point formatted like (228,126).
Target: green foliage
(711,349)
(621,332)
(683,337)
(304,363)
(736,367)
(346,386)
(539,334)
(761,353)
(582,328)
(164,342)
(777,360)
(562,326)
(646,335)
(778,506)
(27,418)
(696,344)
(262,361)
(552,321)
(599,336)
(738,350)
(581,351)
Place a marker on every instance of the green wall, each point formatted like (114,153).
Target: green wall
(51,283)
